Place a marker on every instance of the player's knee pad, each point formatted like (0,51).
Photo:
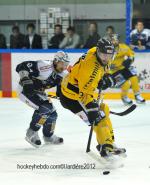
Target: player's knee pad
(104,107)
(48,129)
(45,114)
(51,118)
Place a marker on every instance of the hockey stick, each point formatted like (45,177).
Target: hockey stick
(89,140)
(91,130)
(127,111)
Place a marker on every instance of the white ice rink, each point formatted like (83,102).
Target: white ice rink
(132,132)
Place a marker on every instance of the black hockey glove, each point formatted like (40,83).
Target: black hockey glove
(127,62)
(106,82)
(28,86)
(95,115)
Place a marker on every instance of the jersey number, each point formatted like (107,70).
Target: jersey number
(29,65)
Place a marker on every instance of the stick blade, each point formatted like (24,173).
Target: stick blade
(129,110)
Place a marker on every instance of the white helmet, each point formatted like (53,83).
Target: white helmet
(61,56)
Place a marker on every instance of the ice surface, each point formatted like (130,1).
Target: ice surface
(131,132)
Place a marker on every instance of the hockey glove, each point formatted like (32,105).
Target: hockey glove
(95,115)
(106,82)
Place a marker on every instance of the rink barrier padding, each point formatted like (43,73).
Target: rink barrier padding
(5,66)
(6,88)
(114,96)
(0,76)
(7,62)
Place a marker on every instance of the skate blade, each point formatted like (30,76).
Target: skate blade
(113,162)
(51,143)
(34,145)
(107,163)
(127,104)
(123,154)
(140,103)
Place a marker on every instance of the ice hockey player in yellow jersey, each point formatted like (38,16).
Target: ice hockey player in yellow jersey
(77,94)
(121,68)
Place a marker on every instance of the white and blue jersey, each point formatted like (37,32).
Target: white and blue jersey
(42,73)
(143,37)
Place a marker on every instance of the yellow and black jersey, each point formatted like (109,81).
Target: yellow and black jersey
(80,84)
(122,53)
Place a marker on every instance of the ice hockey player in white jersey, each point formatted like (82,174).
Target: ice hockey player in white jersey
(35,78)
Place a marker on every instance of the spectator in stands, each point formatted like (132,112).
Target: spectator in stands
(32,40)
(110,30)
(93,36)
(16,38)
(2,41)
(57,38)
(140,37)
(71,40)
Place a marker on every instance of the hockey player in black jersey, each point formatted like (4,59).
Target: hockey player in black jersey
(35,78)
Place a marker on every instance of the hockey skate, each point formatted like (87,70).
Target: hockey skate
(53,140)
(120,151)
(109,150)
(139,99)
(127,101)
(32,137)
(110,156)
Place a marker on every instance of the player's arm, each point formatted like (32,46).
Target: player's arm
(26,70)
(87,87)
(129,57)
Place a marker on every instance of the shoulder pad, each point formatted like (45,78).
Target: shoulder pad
(30,66)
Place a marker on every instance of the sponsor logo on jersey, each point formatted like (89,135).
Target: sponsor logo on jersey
(92,76)
(45,68)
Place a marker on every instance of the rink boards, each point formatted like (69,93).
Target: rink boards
(9,78)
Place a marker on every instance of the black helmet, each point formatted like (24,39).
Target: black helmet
(105,46)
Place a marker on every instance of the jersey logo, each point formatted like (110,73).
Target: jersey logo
(45,68)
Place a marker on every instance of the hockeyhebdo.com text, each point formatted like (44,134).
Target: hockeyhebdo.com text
(84,166)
